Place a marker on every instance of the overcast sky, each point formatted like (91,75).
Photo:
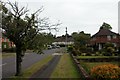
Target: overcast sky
(77,15)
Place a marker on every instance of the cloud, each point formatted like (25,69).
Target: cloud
(78,15)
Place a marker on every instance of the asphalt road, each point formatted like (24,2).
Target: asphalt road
(8,64)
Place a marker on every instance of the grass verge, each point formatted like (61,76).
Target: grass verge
(65,68)
(7,55)
(88,57)
(33,69)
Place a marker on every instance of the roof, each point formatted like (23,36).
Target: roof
(0,33)
(63,39)
(104,32)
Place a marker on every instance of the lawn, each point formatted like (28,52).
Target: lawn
(65,68)
(6,55)
(87,65)
(89,57)
(10,54)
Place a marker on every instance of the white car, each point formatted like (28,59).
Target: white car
(49,46)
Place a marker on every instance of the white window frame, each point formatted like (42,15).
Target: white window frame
(109,37)
(114,37)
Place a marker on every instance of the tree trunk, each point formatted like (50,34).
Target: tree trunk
(18,61)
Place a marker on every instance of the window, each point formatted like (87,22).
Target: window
(5,46)
(114,44)
(4,39)
(94,39)
(114,37)
(109,37)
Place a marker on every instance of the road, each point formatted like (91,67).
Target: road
(8,64)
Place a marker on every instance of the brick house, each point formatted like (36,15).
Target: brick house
(0,39)
(6,43)
(103,36)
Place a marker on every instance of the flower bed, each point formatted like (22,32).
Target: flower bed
(105,71)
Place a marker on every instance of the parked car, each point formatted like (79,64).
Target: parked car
(49,46)
(57,46)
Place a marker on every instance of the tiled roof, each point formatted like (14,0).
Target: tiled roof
(63,39)
(104,32)
(0,33)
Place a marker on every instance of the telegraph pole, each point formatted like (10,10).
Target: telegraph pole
(66,39)
(119,26)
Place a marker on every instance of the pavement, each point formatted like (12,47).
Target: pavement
(46,70)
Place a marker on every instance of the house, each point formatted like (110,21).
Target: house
(61,40)
(104,36)
(5,42)
(0,39)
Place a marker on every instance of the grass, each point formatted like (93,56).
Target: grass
(7,55)
(89,65)
(65,68)
(33,69)
(88,57)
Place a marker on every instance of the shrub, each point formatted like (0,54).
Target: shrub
(88,54)
(5,45)
(97,53)
(83,54)
(105,71)
(70,48)
(8,50)
(76,52)
(110,49)
(73,50)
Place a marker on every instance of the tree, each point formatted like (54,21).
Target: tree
(80,40)
(109,48)
(106,26)
(21,28)
(40,42)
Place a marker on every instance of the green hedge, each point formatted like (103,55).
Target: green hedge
(8,50)
(3,45)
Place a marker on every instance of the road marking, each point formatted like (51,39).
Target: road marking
(3,64)
(57,54)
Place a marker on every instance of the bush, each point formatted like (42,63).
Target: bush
(97,53)
(88,54)
(70,48)
(5,45)
(105,71)
(83,54)
(8,50)
(109,51)
(76,52)
(73,50)
(85,49)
